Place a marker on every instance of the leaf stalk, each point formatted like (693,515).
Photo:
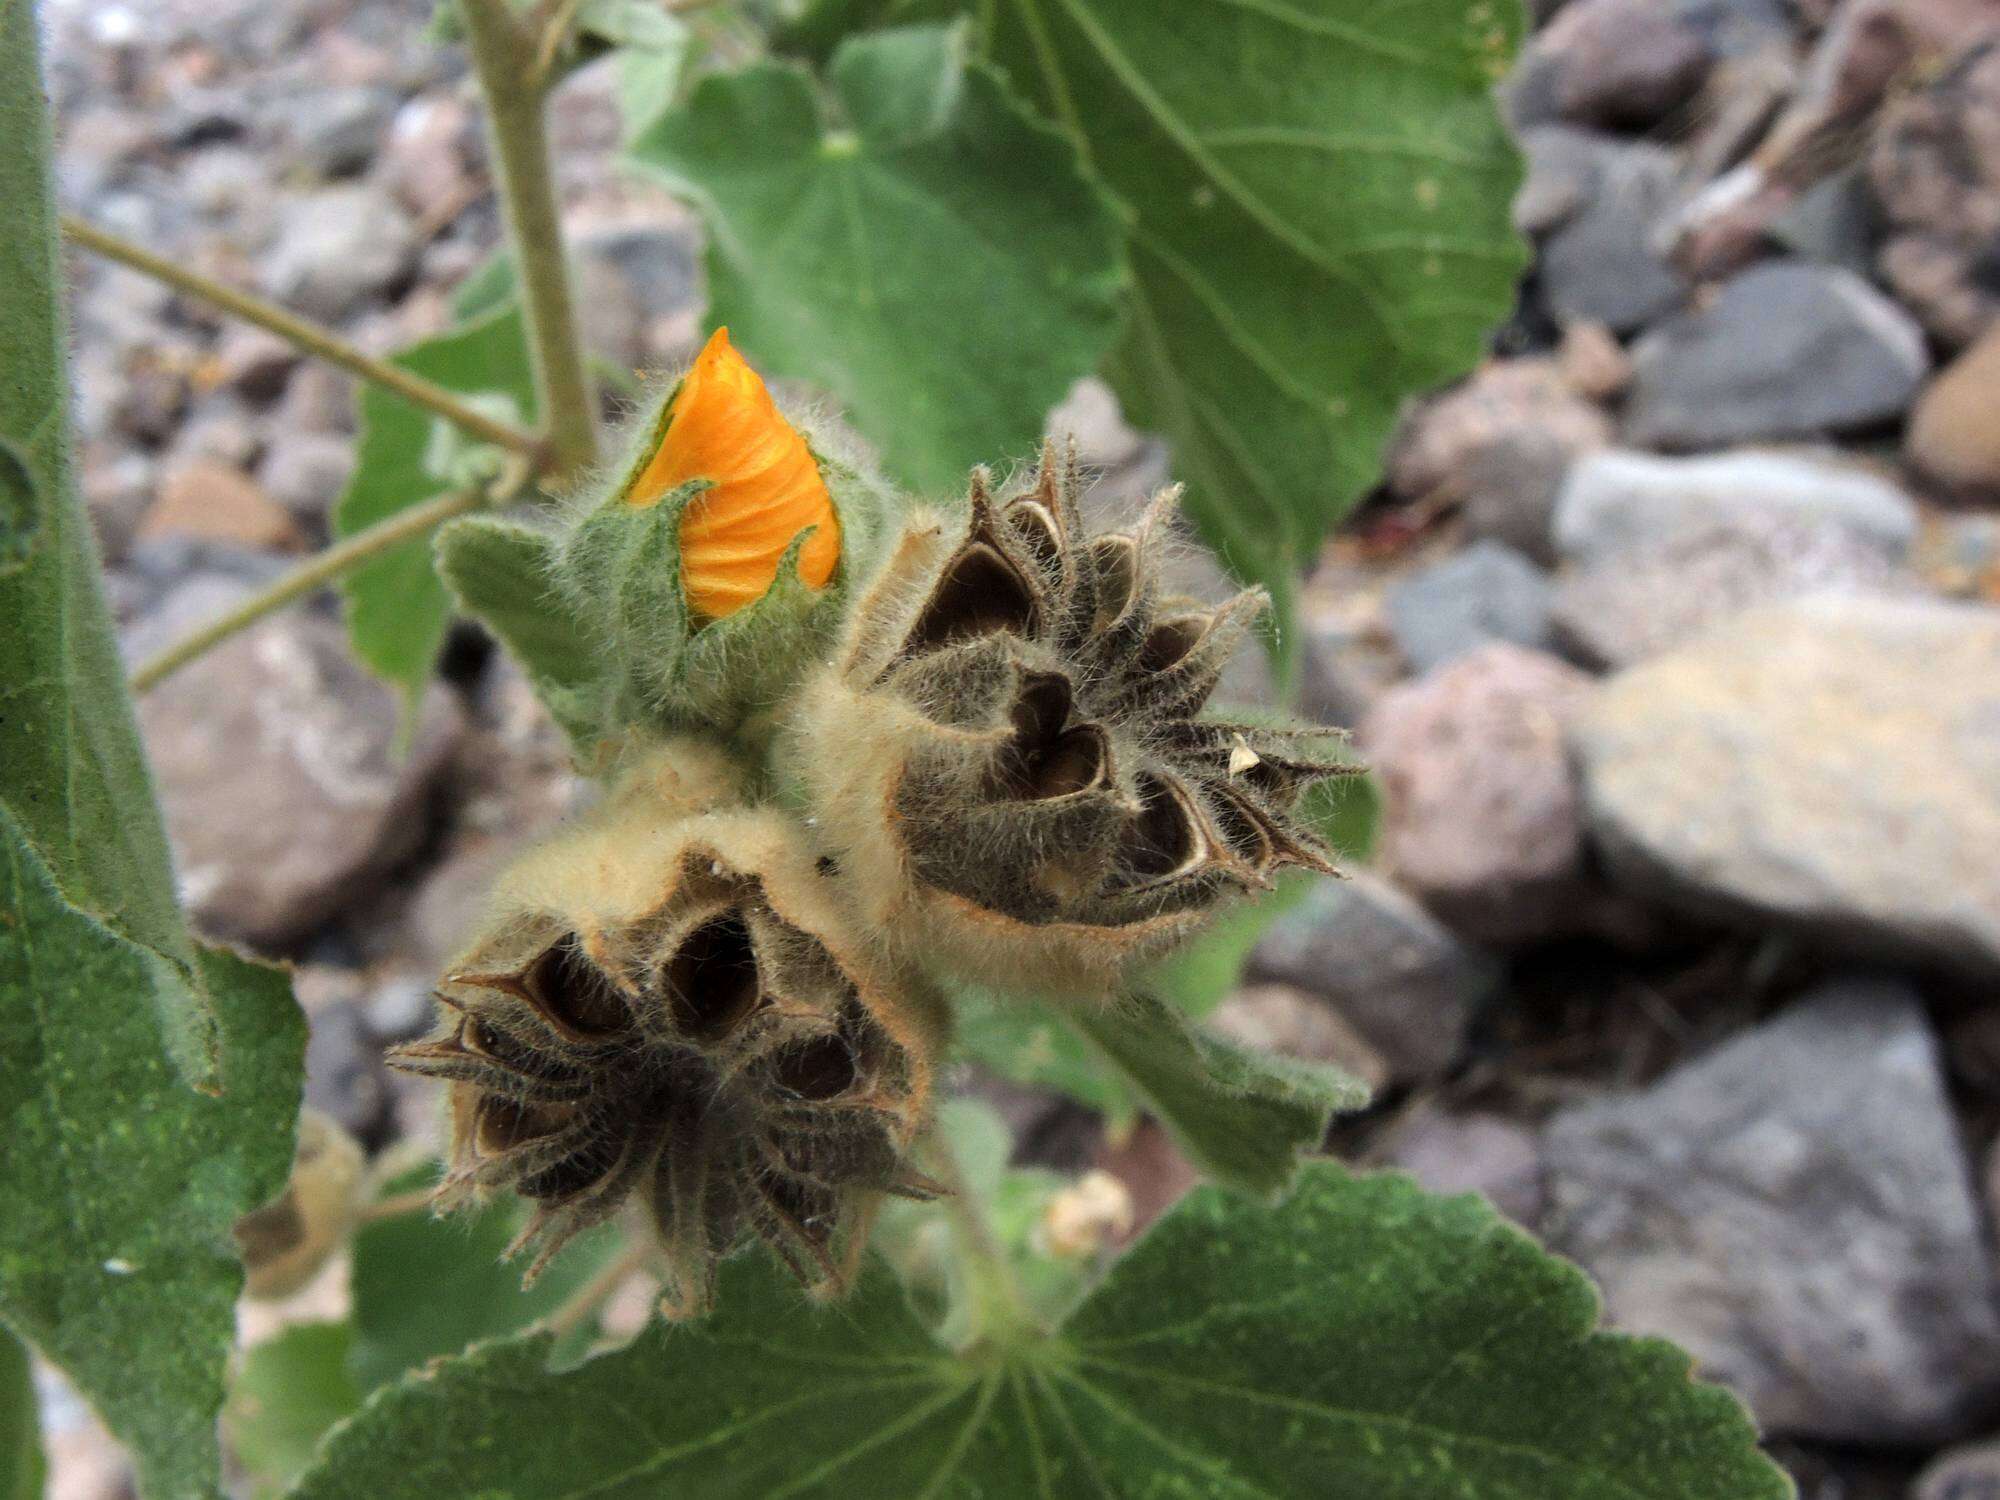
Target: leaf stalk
(311,338)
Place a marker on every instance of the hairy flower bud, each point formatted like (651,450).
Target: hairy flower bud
(1008,757)
(722,428)
(670,1010)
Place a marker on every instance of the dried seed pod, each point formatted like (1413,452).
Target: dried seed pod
(669,1010)
(286,1241)
(1008,759)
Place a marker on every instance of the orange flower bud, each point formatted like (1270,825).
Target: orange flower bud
(723,426)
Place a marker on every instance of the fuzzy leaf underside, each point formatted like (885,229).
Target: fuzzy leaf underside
(121,1184)
(912,243)
(397,608)
(425,1286)
(1318,194)
(502,573)
(1242,1116)
(1365,1338)
(75,781)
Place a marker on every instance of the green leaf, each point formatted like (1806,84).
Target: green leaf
(21,1464)
(1025,1040)
(502,574)
(397,609)
(1363,1339)
(1242,1116)
(1318,195)
(75,782)
(122,1185)
(291,1389)
(912,242)
(822,25)
(425,1286)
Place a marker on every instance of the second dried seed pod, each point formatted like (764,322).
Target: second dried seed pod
(1010,759)
(669,1011)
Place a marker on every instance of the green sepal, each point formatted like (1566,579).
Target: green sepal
(503,574)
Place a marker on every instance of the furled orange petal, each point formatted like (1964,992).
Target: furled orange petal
(724,427)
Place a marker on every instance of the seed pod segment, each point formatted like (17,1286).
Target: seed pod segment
(1009,754)
(669,1011)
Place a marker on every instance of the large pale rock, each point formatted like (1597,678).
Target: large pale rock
(1832,764)
(1619,500)
(1785,350)
(1481,815)
(1392,970)
(1794,1210)
(284,792)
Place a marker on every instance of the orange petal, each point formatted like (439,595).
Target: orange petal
(724,427)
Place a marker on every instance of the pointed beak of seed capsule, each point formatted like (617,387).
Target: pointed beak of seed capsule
(724,427)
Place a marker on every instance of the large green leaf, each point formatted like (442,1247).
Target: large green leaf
(74,780)
(121,1184)
(426,1286)
(21,1464)
(291,1389)
(820,26)
(912,242)
(397,610)
(1364,1339)
(1319,195)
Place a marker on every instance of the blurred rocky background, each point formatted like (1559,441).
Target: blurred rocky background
(1673,634)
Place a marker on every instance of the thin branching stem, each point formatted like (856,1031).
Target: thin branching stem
(312,338)
(504,49)
(589,1299)
(997,1307)
(316,572)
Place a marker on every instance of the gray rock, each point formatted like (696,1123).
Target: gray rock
(346,1078)
(1624,64)
(1391,969)
(1785,350)
(284,792)
(338,250)
(336,131)
(1481,816)
(305,471)
(1599,202)
(1618,500)
(1511,486)
(1832,764)
(1439,437)
(1472,1153)
(1794,1210)
(1638,603)
(1968,1473)
(1485,593)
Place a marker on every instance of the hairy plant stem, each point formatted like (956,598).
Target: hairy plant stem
(314,573)
(997,1310)
(504,50)
(589,1298)
(311,337)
